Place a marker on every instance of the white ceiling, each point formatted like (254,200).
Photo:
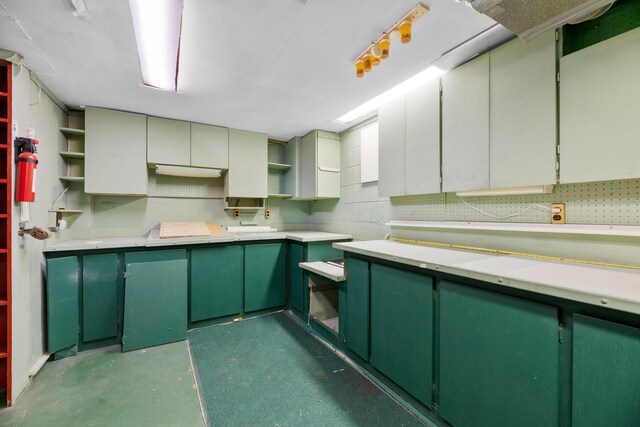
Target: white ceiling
(282,67)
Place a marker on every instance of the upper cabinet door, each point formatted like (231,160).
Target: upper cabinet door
(115,142)
(523,113)
(422,145)
(328,168)
(248,174)
(168,142)
(209,146)
(599,104)
(465,126)
(391,148)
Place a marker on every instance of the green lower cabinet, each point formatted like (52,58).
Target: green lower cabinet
(297,292)
(402,328)
(265,276)
(63,308)
(155,307)
(216,282)
(357,310)
(498,360)
(606,373)
(100,285)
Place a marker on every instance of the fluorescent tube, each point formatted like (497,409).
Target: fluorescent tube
(188,171)
(157,25)
(396,91)
(514,191)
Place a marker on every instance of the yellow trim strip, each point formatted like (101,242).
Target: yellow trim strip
(502,252)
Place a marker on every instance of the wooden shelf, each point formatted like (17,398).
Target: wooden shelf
(279,166)
(72,178)
(280,196)
(72,154)
(71,131)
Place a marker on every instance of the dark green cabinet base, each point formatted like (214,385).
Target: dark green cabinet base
(265,276)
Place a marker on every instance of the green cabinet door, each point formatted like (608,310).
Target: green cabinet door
(606,373)
(357,310)
(63,282)
(100,282)
(296,277)
(265,276)
(216,282)
(498,359)
(402,328)
(155,309)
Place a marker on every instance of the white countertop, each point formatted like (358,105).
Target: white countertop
(154,241)
(326,270)
(610,287)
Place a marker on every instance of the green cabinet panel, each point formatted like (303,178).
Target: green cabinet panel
(216,282)
(357,316)
(168,142)
(498,359)
(99,296)
(297,283)
(321,251)
(606,373)
(63,281)
(155,309)
(265,278)
(154,256)
(402,328)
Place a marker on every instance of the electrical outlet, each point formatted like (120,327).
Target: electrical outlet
(557,213)
(236,213)
(267,213)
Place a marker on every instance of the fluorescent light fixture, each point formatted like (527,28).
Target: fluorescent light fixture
(396,91)
(187,171)
(157,25)
(514,191)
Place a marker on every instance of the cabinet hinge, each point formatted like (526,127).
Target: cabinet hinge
(560,333)
(557,35)
(557,77)
(434,294)
(558,149)
(557,166)
(125,275)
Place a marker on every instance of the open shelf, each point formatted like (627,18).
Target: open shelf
(280,196)
(72,131)
(279,166)
(72,154)
(67,211)
(71,178)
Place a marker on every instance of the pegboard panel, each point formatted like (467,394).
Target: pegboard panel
(608,202)
(423,207)
(184,187)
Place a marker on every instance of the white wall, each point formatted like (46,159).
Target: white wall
(31,108)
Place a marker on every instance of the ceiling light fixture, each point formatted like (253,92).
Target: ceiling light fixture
(396,91)
(157,25)
(379,50)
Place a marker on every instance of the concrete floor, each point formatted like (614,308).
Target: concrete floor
(150,387)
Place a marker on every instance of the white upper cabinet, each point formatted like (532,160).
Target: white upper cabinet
(209,146)
(599,106)
(391,148)
(522,110)
(115,152)
(422,140)
(248,157)
(319,170)
(409,143)
(465,126)
(168,142)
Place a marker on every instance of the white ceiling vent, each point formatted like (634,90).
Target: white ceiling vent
(530,18)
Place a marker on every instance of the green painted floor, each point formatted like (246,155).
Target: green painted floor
(268,371)
(150,387)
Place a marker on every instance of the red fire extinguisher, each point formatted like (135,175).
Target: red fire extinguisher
(25,149)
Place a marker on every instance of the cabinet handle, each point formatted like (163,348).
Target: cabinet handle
(324,169)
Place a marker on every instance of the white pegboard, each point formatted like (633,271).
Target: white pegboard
(183,187)
(610,202)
